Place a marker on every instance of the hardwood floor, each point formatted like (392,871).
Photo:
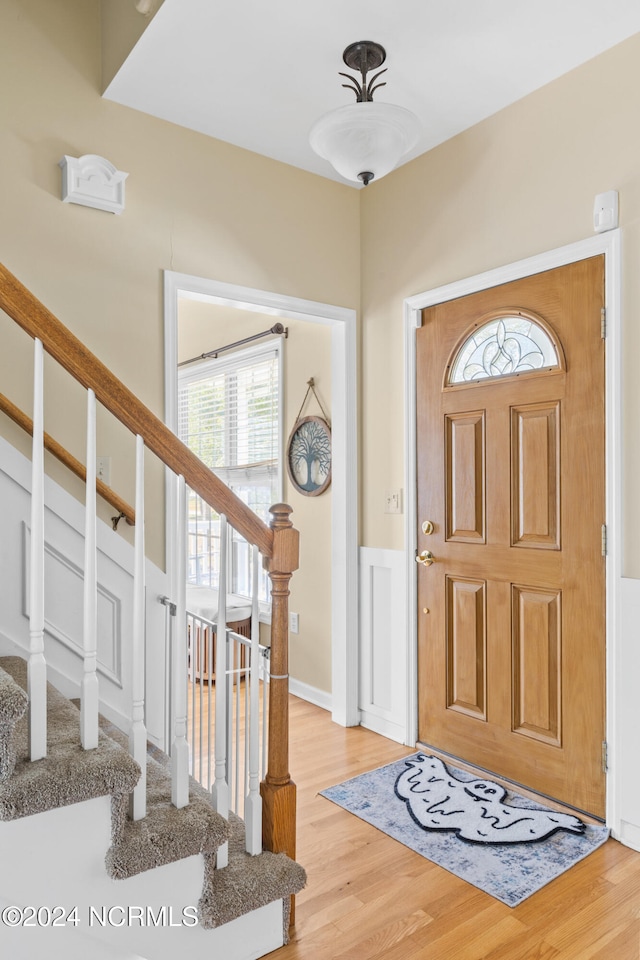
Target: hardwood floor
(370,898)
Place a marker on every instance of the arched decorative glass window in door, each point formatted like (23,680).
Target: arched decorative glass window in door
(504,346)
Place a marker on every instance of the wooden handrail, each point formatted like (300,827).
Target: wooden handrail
(63,455)
(277,543)
(34,318)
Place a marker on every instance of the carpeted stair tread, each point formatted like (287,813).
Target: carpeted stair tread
(13,706)
(246,884)
(166,834)
(68,774)
(255,880)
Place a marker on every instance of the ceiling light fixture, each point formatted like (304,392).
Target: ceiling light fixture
(364,140)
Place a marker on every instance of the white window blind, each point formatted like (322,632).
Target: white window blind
(229,415)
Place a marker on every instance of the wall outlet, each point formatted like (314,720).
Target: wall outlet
(103,469)
(294,622)
(393,501)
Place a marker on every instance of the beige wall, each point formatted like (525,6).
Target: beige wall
(520,183)
(194,205)
(306,353)
(517,184)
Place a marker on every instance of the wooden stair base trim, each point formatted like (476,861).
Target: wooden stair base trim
(279,823)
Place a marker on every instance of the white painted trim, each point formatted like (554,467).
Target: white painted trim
(319,698)
(609,245)
(344,478)
(383,668)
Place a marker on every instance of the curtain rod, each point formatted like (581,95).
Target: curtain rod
(278,329)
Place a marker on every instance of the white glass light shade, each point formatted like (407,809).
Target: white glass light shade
(364,137)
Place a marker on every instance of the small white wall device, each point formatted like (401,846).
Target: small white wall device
(605,211)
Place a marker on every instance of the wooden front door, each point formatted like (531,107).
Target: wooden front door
(511,636)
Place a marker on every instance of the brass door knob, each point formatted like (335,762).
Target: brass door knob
(426,557)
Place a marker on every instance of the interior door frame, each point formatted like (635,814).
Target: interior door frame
(343,700)
(608,244)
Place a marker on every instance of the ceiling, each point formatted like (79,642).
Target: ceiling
(259,74)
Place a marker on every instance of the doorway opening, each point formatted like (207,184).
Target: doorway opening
(180,288)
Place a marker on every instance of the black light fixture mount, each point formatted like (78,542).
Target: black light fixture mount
(365,55)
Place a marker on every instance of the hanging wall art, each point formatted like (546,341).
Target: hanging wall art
(308,452)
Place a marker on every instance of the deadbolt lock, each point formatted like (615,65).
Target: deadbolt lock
(427,527)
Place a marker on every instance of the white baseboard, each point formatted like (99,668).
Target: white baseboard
(629,835)
(311,694)
(386,728)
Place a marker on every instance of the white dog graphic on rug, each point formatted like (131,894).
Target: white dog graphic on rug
(474,809)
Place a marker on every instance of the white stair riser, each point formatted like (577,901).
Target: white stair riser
(57,859)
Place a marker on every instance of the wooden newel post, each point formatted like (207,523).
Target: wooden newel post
(278,791)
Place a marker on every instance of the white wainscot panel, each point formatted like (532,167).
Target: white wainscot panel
(383,642)
(64,563)
(63,578)
(627,768)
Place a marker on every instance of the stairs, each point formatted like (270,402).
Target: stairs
(67,841)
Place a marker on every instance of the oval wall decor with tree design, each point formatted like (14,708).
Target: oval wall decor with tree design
(309,456)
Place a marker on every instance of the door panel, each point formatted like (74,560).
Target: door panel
(464,463)
(537,646)
(511,639)
(466,646)
(535,476)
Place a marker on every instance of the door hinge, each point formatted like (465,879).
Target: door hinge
(604,539)
(603,323)
(605,756)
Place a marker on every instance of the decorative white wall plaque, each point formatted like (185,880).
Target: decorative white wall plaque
(93,182)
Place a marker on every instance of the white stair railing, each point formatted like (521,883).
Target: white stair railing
(37,667)
(138,731)
(278,543)
(89,690)
(236,740)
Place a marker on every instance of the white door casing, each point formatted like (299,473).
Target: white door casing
(344,514)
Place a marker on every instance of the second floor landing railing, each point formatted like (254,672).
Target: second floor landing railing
(277,543)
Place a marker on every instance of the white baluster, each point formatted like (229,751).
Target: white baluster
(89,691)
(253,801)
(180,746)
(193,632)
(266,667)
(209,699)
(220,789)
(138,731)
(37,668)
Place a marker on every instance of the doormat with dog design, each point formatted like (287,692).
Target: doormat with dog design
(501,842)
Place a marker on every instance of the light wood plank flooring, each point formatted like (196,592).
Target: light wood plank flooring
(370,898)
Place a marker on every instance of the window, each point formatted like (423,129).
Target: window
(503,347)
(229,414)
